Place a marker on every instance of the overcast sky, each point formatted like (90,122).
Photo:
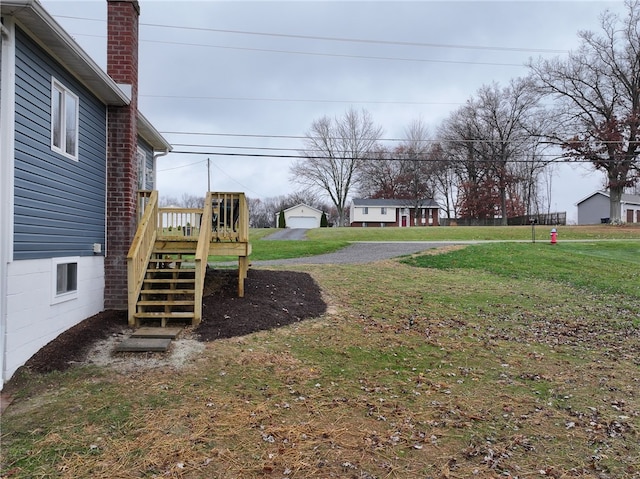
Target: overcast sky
(251,77)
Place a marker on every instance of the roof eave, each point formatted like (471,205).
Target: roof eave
(148,133)
(43,29)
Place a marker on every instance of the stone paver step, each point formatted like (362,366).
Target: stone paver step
(143,345)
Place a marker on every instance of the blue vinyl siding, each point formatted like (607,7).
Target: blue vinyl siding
(59,202)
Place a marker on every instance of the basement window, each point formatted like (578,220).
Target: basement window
(65,279)
(64,120)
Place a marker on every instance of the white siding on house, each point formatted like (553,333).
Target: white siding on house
(373,214)
(33,321)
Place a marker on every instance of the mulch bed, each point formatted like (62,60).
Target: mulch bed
(272,299)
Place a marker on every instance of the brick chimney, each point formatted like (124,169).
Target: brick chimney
(122,181)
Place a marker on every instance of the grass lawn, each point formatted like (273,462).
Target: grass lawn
(327,240)
(496,360)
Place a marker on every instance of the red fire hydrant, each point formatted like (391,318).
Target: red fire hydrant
(554,236)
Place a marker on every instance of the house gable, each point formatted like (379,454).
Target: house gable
(302,216)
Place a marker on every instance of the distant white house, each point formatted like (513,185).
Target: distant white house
(380,212)
(595,208)
(301,216)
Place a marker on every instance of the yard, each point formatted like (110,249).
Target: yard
(493,360)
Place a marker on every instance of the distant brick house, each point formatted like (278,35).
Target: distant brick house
(366,212)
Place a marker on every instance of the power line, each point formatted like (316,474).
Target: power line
(559,158)
(300,100)
(361,40)
(182,166)
(319,54)
(339,39)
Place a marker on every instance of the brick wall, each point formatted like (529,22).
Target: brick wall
(122,66)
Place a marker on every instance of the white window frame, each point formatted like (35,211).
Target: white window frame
(59,132)
(68,295)
(365,210)
(383,210)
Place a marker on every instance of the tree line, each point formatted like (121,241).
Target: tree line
(493,156)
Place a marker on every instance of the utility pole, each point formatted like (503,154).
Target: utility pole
(208,175)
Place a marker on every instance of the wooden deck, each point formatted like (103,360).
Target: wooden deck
(168,258)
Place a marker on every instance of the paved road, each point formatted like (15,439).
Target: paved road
(362,252)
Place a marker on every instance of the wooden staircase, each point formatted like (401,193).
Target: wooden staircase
(168,288)
(161,285)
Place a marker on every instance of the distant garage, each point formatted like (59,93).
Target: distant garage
(302,216)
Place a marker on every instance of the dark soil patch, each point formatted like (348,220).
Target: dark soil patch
(74,344)
(272,299)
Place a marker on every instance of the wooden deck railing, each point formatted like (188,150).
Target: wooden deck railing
(140,251)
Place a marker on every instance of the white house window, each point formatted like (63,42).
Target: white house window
(142,169)
(383,211)
(365,210)
(65,279)
(64,120)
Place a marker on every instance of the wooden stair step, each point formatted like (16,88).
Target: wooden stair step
(165,314)
(170,270)
(167,291)
(151,332)
(165,303)
(176,252)
(168,280)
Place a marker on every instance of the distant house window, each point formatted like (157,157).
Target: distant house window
(383,211)
(64,120)
(365,210)
(65,279)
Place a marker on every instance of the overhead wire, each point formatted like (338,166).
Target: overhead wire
(338,39)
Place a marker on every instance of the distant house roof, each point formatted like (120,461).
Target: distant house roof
(633,199)
(305,206)
(423,203)
(30,15)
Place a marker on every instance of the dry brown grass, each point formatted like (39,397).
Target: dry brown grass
(413,374)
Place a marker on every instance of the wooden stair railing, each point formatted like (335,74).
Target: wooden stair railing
(202,257)
(140,253)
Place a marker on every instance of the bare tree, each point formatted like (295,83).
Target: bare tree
(597,101)
(191,201)
(488,136)
(334,150)
(381,176)
(186,201)
(444,178)
(417,169)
